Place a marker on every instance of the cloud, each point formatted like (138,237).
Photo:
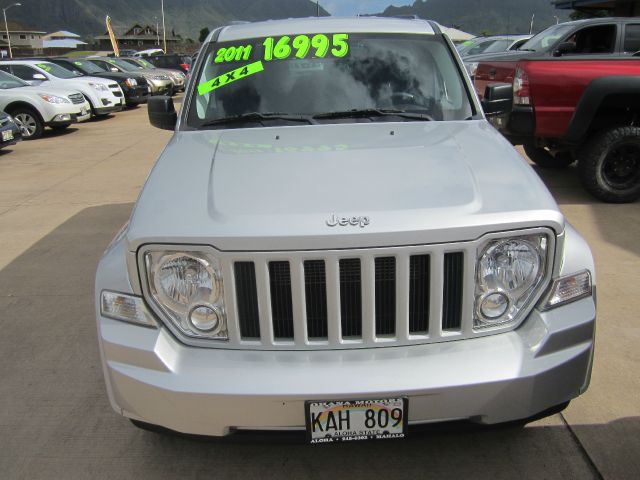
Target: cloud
(353,7)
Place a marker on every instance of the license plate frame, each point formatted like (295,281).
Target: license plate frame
(359,408)
(7,135)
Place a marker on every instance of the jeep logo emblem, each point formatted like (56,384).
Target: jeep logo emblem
(335,220)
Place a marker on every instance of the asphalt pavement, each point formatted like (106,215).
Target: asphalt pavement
(62,199)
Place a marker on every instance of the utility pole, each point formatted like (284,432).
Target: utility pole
(317,8)
(157,31)
(6,25)
(164,31)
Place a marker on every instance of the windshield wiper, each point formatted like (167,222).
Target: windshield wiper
(260,117)
(374,112)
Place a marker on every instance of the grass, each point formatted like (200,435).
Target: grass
(83,53)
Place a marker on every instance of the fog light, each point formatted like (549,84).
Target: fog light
(494,305)
(204,319)
(63,117)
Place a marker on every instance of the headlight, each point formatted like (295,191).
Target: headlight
(508,274)
(131,82)
(187,287)
(54,99)
(99,87)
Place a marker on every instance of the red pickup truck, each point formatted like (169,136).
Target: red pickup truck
(572,93)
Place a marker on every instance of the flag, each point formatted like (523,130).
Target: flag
(112,36)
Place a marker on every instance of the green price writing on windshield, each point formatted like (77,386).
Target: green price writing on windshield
(45,67)
(301,45)
(232,76)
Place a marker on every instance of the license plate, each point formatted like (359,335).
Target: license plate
(7,135)
(346,421)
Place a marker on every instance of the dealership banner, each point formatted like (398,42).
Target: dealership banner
(112,36)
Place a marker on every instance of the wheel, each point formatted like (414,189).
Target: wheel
(29,123)
(60,128)
(545,159)
(609,165)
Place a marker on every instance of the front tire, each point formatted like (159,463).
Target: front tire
(545,159)
(60,128)
(29,123)
(610,165)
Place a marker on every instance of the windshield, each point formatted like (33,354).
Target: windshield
(145,63)
(324,73)
(88,67)
(57,70)
(123,64)
(8,81)
(546,38)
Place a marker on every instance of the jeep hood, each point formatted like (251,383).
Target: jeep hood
(276,188)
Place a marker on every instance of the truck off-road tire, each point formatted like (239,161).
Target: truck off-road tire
(610,165)
(29,122)
(545,159)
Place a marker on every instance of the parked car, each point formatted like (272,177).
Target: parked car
(171,61)
(178,78)
(10,133)
(494,44)
(336,240)
(159,83)
(134,86)
(572,93)
(34,108)
(104,96)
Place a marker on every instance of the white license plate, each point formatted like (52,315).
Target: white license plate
(345,421)
(7,135)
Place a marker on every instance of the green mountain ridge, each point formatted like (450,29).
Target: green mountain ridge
(185,17)
(489,16)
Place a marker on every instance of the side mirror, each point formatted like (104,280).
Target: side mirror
(39,76)
(162,113)
(498,98)
(564,48)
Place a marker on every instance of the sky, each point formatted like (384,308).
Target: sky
(353,7)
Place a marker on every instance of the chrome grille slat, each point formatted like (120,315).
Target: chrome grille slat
(264,303)
(402,297)
(298,303)
(333,302)
(436,284)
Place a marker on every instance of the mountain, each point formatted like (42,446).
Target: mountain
(185,17)
(485,16)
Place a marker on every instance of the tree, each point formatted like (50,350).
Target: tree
(579,15)
(204,33)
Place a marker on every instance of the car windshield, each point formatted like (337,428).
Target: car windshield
(8,81)
(339,76)
(546,38)
(145,63)
(88,67)
(57,70)
(132,64)
(124,65)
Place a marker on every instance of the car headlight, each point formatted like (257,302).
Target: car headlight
(99,87)
(54,99)
(131,82)
(509,272)
(187,287)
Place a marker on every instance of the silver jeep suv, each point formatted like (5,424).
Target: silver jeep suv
(335,240)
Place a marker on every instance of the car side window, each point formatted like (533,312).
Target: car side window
(632,38)
(480,48)
(5,68)
(599,39)
(518,44)
(24,72)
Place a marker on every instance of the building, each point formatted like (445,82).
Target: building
(25,41)
(137,37)
(618,8)
(61,42)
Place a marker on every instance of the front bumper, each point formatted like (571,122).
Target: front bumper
(518,126)
(152,377)
(137,95)
(159,87)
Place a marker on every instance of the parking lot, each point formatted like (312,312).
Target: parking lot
(62,199)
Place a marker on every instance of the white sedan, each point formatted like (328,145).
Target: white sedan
(33,108)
